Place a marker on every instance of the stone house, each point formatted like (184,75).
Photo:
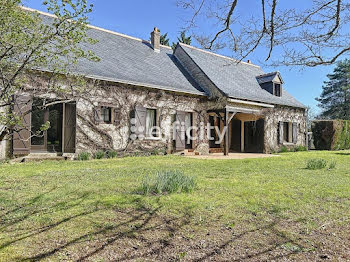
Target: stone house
(143,84)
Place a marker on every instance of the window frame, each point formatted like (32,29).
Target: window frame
(154,134)
(103,115)
(287,136)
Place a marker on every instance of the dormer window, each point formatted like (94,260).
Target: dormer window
(272,83)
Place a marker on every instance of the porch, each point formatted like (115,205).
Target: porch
(241,130)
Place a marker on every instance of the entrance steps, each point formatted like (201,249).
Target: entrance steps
(216,150)
(188,152)
(42,156)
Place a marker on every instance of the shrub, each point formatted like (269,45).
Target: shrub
(331,134)
(332,165)
(284,149)
(112,154)
(300,148)
(167,182)
(316,163)
(99,154)
(83,156)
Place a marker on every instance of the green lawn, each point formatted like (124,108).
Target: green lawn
(254,210)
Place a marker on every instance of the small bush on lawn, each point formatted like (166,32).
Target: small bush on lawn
(300,148)
(316,163)
(83,156)
(112,154)
(284,149)
(99,154)
(172,181)
(332,165)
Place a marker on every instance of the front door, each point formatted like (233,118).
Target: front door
(49,140)
(69,127)
(39,117)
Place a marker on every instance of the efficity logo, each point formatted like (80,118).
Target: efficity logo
(179,129)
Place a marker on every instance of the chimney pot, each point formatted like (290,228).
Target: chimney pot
(155,40)
(249,61)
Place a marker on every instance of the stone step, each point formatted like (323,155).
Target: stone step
(216,150)
(190,152)
(42,155)
(37,158)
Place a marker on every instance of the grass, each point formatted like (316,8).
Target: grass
(167,181)
(91,210)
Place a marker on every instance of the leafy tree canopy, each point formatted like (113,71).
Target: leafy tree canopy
(164,40)
(183,39)
(30,42)
(335,96)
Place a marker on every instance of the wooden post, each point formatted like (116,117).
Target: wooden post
(63,125)
(226,122)
(242,136)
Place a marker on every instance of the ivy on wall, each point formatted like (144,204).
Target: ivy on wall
(342,135)
(331,135)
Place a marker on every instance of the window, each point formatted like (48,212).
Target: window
(277,90)
(106,114)
(286,132)
(151,123)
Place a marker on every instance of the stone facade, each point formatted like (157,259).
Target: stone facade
(279,114)
(92,136)
(124,99)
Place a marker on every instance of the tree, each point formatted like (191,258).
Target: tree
(183,39)
(335,97)
(313,34)
(29,45)
(164,40)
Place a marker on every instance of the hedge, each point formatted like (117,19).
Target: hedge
(331,134)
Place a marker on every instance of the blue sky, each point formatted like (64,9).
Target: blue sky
(138,17)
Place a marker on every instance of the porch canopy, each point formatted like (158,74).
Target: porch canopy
(226,115)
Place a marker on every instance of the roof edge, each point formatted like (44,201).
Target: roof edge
(179,46)
(93,27)
(144,85)
(222,56)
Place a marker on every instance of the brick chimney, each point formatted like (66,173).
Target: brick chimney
(155,40)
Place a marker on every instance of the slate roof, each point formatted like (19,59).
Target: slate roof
(134,61)
(237,80)
(268,77)
(131,60)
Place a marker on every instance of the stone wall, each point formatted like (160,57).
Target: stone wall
(283,114)
(124,99)
(92,136)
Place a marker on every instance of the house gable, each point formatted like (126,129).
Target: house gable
(236,79)
(197,73)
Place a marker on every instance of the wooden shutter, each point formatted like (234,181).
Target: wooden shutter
(180,141)
(140,117)
(295,132)
(98,115)
(116,114)
(21,139)
(69,126)
(280,130)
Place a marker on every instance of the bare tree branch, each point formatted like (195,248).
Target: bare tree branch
(308,36)
(227,24)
